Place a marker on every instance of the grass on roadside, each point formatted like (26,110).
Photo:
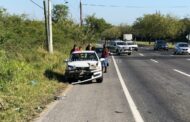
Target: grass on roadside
(25,87)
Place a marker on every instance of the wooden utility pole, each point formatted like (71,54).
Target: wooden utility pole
(50,41)
(81,20)
(46,25)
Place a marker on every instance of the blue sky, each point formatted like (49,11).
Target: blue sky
(114,11)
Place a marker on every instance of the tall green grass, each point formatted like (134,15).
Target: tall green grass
(24,89)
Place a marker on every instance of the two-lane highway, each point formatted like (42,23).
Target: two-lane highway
(149,86)
(159,84)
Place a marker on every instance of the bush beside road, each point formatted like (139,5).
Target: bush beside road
(146,43)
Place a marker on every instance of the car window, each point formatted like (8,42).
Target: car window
(121,43)
(99,50)
(84,57)
(131,43)
(183,45)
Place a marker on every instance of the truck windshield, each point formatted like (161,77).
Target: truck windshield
(131,43)
(121,43)
(84,57)
(183,45)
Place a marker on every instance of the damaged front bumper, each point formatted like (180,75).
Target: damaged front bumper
(81,76)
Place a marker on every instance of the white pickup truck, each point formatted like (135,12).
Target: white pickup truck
(133,45)
(119,47)
(84,66)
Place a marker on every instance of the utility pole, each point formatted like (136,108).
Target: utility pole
(50,41)
(46,25)
(81,20)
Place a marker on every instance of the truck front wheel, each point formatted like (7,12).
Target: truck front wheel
(129,53)
(99,80)
(117,51)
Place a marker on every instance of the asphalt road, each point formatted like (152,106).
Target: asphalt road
(157,81)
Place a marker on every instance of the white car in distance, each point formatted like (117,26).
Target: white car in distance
(119,47)
(133,45)
(182,48)
(84,66)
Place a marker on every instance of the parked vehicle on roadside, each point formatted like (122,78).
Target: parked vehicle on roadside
(182,48)
(99,49)
(120,47)
(133,45)
(84,66)
(160,45)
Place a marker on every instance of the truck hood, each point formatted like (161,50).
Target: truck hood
(83,63)
(133,45)
(123,46)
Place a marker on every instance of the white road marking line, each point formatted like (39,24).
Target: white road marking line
(188,59)
(183,73)
(141,54)
(136,114)
(154,60)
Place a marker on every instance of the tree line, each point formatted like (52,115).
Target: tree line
(151,27)
(20,33)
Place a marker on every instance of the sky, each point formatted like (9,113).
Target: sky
(113,11)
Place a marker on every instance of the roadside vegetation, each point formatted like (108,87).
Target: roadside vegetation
(30,77)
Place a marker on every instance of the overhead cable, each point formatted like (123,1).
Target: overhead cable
(37,4)
(117,6)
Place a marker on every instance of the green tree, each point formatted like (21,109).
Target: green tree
(112,33)
(60,12)
(96,25)
(157,26)
(186,25)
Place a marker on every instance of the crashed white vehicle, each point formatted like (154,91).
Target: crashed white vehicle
(84,66)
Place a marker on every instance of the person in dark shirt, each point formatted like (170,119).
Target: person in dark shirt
(93,48)
(105,54)
(74,49)
(89,47)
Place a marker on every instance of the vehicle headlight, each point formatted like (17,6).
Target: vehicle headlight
(98,68)
(71,67)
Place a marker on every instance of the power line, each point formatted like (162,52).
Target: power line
(117,6)
(37,4)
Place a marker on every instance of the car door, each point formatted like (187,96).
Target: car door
(112,47)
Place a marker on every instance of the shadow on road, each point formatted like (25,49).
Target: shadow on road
(88,83)
(51,75)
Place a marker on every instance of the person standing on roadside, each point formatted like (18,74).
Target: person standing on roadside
(89,47)
(74,49)
(105,54)
(80,48)
(93,48)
